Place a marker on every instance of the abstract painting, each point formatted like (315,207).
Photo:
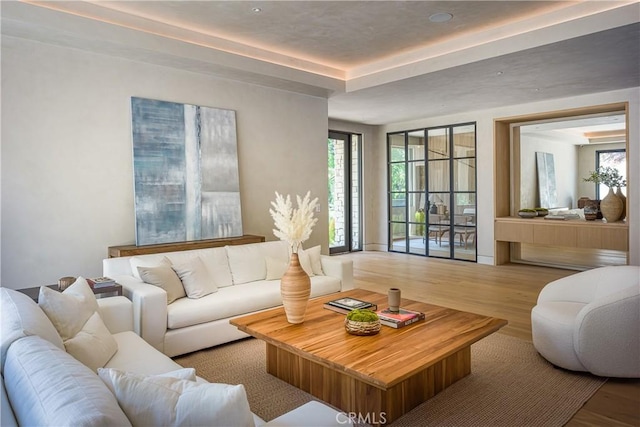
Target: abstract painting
(185,166)
(548,195)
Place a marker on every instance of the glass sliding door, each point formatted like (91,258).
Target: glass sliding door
(397,175)
(344,180)
(432,187)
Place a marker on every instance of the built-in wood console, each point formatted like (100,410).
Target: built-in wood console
(131,250)
(569,233)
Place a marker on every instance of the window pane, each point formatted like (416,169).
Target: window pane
(438,145)
(396,147)
(416,176)
(416,145)
(439,175)
(398,176)
(464,175)
(464,141)
(612,159)
(398,207)
(355,193)
(398,237)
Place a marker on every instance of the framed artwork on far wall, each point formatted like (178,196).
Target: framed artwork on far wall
(185,166)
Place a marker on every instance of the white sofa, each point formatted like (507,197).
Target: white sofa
(590,322)
(44,385)
(246,280)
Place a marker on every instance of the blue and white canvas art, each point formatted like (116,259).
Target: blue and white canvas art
(185,166)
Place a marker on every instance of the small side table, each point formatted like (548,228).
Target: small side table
(98,292)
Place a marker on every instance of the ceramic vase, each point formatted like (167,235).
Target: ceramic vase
(624,203)
(611,207)
(295,288)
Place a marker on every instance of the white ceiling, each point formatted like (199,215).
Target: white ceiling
(377,62)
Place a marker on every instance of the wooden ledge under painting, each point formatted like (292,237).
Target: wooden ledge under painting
(185,166)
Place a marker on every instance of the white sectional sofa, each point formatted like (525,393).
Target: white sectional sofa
(246,279)
(44,385)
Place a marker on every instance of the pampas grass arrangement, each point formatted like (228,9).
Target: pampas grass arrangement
(293,225)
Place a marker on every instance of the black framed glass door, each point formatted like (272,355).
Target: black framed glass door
(345,206)
(432,192)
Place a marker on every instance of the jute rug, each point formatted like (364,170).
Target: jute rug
(510,385)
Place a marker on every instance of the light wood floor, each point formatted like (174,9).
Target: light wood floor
(509,292)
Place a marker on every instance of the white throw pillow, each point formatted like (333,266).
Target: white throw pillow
(188,374)
(247,263)
(276,267)
(157,400)
(195,278)
(314,259)
(75,315)
(163,276)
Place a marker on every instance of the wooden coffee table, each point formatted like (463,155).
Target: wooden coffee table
(379,377)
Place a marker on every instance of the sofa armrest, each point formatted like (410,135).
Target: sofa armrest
(340,268)
(116,313)
(149,309)
(607,339)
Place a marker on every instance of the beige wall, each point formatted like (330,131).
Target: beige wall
(565,166)
(67,175)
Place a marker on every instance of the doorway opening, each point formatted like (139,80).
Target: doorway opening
(345,184)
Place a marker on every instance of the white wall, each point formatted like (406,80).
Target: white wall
(67,174)
(565,166)
(485,138)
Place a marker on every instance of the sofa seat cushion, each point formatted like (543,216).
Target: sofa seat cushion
(48,387)
(22,317)
(136,355)
(227,302)
(237,300)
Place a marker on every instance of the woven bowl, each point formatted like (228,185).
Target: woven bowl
(362,328)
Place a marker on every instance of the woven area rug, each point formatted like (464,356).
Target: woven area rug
(510,385)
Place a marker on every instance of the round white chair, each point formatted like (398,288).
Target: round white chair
(590,322)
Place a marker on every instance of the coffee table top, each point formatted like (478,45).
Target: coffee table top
(381,360)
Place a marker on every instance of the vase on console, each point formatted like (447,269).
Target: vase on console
(294,226)
(295,289)
(611,207)
(622,197)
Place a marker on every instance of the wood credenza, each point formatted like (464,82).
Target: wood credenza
(569,233)
(131,250)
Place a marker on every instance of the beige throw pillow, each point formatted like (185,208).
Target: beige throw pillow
(312,260)
(75,315)
(163,277)
(276,267)
(195,277)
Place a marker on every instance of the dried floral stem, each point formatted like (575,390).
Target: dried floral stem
(293,225)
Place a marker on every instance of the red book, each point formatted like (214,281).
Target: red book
(399,319)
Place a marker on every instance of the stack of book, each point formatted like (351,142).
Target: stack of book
(400,318)
(345,305)
(101,282)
